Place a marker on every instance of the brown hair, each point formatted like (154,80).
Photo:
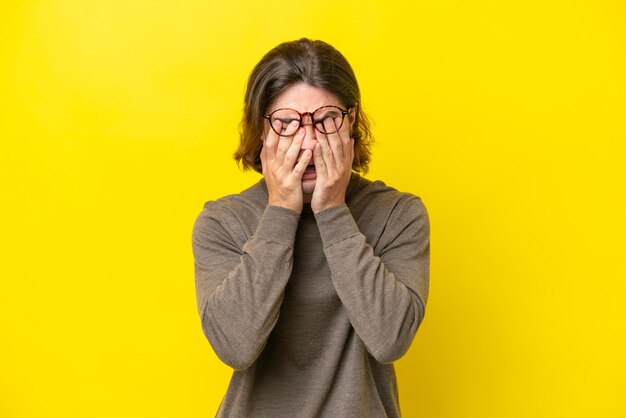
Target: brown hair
(315,63)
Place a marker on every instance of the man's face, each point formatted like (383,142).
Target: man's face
(305,98)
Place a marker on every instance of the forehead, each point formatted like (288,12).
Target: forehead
(304,98)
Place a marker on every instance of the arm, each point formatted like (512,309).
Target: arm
(385,297)
(239,291)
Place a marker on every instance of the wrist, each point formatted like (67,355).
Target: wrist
(286,205)
(327,205)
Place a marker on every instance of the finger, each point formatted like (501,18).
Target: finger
(298,170)
(291,155)
(284,142)
(318,160)
(334,139)
(338,121)
(346,139)
(327,153)
(263,157)
(271,141)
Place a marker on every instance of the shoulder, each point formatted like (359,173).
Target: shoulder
(248,203)
(378,200)
(382,211)
(236,215)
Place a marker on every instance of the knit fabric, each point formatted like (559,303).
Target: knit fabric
(311,310)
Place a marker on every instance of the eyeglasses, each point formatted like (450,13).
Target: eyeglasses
(288,117)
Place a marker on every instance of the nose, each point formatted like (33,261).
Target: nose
(310,139)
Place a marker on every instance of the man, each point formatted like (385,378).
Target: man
(313,281)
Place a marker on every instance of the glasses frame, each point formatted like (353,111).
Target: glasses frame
(303,114)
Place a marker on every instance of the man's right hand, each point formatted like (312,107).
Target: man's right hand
(283,175)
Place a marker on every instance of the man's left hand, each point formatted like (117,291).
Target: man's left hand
(333,156)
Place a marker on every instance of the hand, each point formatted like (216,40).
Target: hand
(333,156)
(283,175)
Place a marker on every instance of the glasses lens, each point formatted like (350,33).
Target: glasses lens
(328,119)
(289,121)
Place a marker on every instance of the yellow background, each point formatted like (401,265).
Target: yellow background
(118,120)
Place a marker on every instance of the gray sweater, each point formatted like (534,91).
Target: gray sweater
(311,310)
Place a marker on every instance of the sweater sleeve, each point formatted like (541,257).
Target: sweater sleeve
(239,290)
(384,296)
